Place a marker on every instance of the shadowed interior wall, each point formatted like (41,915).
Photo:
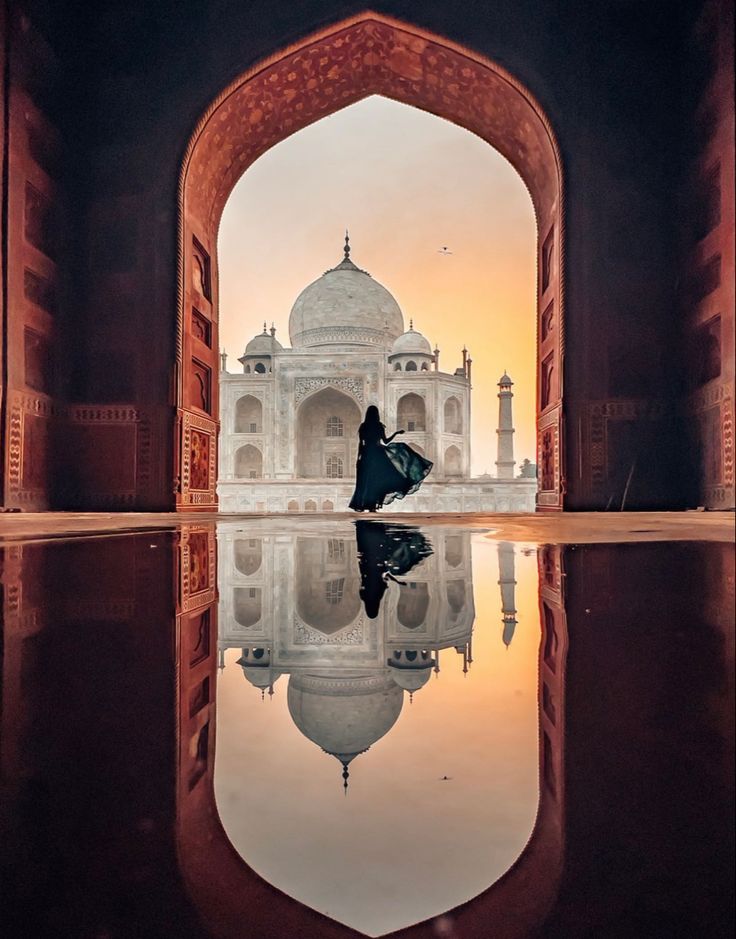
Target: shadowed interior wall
(90,389)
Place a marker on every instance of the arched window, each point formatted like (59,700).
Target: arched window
(453,462)
(453,550)
(397,367)
(425,366)
(247,605)
(327,506)
(453,416)
(293,506)
(310,506)
(411,367)
(260,368)
(334,468)
(248,462)
(248,555)
(248,415)
(335,426)
(411,413)
(247,369)
(413,604)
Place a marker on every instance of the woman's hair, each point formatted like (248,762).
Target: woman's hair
(371,415)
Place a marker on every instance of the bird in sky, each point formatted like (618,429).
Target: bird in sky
(444,250)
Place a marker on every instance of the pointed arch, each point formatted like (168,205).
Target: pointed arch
(363,55)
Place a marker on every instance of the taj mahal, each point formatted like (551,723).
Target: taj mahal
(290,418)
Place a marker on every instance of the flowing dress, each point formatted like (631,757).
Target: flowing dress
(385,471)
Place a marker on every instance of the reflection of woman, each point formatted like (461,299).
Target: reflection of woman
(383,554)
(385,471)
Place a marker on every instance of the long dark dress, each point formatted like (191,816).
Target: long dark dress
(384,471)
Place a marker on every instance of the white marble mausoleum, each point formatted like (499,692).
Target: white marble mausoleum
(289,433)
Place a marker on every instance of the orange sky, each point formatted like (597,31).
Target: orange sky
(405,183)
(403,845)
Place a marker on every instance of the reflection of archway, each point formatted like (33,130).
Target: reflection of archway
(248,415)
(327,583)
(411,412)
(453,550)
(326,434)
(413,604)
(453,462)
(453,416)
(247,605)
(368,54)
(208,858)
(248,555)
(248,462)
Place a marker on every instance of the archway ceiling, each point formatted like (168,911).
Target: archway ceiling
(335,69)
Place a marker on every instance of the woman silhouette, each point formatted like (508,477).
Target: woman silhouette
(385,471)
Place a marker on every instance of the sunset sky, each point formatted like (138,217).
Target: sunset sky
(404,844)
(405,183)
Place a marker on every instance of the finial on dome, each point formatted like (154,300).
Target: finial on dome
(265,328)
(273,331)
(346,249)
(345,776)
(411,325)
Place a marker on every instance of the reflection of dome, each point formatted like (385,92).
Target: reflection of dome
(411,343)
(342,714)
(263,344)
(345,306)
(261,677)
(411,679)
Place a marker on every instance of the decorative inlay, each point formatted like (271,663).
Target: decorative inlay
(305,386)
(350,636)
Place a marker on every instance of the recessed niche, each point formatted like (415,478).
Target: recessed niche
(201,270)
(40,291)
(201,328)
(38,361)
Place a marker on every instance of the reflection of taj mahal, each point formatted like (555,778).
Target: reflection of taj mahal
(290,418)
(291,604)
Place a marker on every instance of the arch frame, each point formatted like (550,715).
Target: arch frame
(394,57)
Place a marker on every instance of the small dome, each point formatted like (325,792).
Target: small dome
(411,343)
(411,679)
(504,381)
(264,343)
(261,677)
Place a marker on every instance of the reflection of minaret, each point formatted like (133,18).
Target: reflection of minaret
(507,582)
(505,462)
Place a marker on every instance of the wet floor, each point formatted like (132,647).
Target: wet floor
(336,729)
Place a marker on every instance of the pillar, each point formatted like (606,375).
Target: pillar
(505,462)
(507,582)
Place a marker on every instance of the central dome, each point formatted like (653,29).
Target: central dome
(345,307)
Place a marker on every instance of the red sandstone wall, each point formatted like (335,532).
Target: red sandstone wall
(707,293)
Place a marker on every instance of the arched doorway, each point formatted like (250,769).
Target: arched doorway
(327,433)
(248,462)
(248,415)
(367,54)
(411,413)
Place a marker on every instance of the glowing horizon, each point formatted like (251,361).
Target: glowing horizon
(436,184)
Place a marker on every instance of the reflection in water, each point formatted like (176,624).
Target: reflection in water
(349,667)
(386,552)
(618,727)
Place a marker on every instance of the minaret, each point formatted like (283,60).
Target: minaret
(507,582)
(505,462)
(223,361)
